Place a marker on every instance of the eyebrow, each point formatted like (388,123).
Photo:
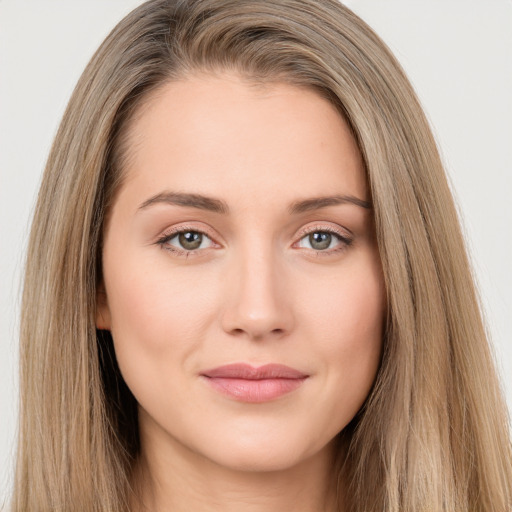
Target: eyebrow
(190,200)
(322,202)
(211,204)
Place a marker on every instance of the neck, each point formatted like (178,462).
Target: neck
(179,480)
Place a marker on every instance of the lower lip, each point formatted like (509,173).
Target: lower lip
(252,390)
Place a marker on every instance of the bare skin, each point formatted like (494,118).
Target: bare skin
(259,275)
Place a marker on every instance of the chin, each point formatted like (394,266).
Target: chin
(267,453)
(265,459)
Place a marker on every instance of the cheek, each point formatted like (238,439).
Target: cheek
(158,321)
(348,321)
(347,309)
(156,304)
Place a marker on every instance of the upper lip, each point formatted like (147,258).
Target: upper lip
(248,372)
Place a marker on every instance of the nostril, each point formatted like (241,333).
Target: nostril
(259,314)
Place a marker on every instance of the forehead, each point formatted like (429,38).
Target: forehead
(222,134)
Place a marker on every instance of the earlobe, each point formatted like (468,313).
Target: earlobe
(102,309)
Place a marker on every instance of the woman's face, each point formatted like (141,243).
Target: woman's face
(242,237)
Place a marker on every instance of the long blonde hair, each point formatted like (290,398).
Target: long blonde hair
(433,434)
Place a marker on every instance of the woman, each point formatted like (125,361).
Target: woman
(246,284)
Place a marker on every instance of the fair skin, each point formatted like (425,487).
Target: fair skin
(251,281)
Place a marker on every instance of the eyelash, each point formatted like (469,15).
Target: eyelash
(166,237)
(345,241)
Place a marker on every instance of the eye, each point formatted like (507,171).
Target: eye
(186,241)
(324,240)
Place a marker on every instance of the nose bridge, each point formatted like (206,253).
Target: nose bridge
(257,304)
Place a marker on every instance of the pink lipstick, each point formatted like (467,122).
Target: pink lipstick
(246,383)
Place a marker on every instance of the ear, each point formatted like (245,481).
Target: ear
(103,320)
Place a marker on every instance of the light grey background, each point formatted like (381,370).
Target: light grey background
(458,54)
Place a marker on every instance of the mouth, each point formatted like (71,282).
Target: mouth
(245,383)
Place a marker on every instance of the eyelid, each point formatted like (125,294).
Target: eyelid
(312,228)
(173,231)
(344,235)
(181,228)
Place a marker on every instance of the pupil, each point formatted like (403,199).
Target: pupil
(320,240)
(190,240)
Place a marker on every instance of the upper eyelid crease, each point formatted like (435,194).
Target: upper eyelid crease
(169,234)
(219,206)
(302,232)
(325,227)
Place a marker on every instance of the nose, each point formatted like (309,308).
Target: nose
(258,302)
